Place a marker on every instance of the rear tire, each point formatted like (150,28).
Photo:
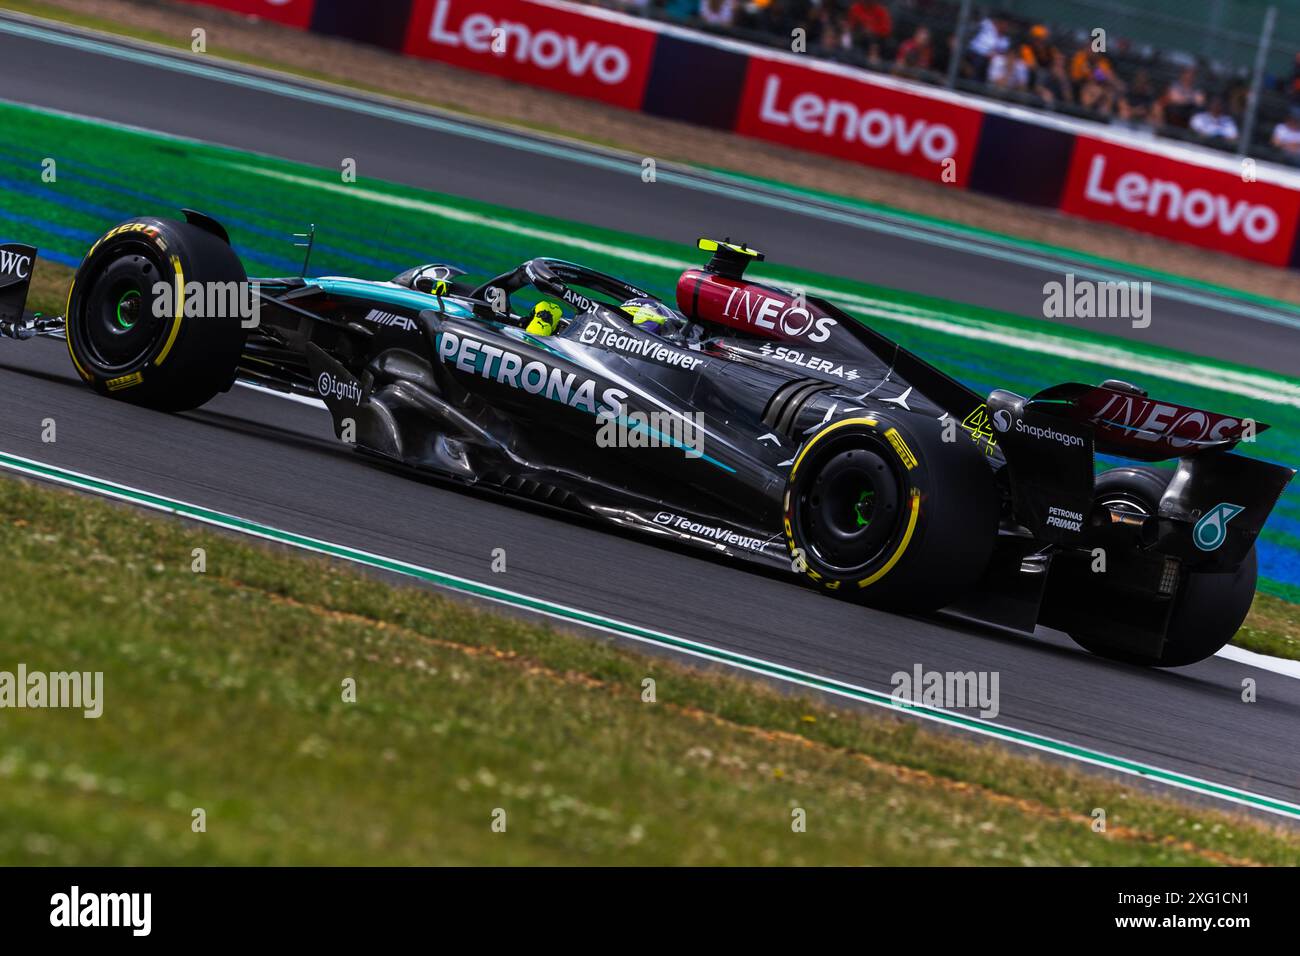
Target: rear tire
(881,510)
(127,342)
(1208,608)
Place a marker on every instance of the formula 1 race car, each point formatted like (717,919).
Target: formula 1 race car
(753,421)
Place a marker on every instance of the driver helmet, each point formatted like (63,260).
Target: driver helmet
(651,315)
(546,316)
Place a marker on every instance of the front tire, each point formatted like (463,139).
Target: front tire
(881,510)
(129,341)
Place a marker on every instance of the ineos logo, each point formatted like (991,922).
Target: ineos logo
(1147,420)
(755,308)
(799,327)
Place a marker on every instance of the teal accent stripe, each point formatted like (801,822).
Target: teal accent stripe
(755,665)
(670,440)
(390,295)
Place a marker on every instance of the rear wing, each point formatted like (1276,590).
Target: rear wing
(1127,423)
(17,262)
(1214,507)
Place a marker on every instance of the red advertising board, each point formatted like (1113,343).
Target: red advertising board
(536,43)
(869,123)
(1178,200)
(295,13)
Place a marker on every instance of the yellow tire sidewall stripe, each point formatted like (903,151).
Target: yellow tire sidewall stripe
(67,333)
(914,504)
(180,311)
(869,422)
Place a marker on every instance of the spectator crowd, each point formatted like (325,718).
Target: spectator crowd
(1026,62)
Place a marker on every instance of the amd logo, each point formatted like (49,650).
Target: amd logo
(577,300)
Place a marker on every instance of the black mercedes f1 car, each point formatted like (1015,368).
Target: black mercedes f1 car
(754,421)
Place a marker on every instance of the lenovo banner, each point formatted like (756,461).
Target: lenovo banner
(1182,201)
(869,123)
(540,44)
(295,13)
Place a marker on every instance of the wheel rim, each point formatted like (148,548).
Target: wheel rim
(116,327)
(850,513)
(128,308)
(864,509)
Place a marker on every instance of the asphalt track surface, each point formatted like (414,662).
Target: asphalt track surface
(276,462)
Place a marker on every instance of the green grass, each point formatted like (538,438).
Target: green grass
(222,691)
(1272,627)
(48,292)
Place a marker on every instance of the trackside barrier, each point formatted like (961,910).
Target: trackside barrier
(1082,169)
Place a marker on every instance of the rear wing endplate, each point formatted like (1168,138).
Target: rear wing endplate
(17,262)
